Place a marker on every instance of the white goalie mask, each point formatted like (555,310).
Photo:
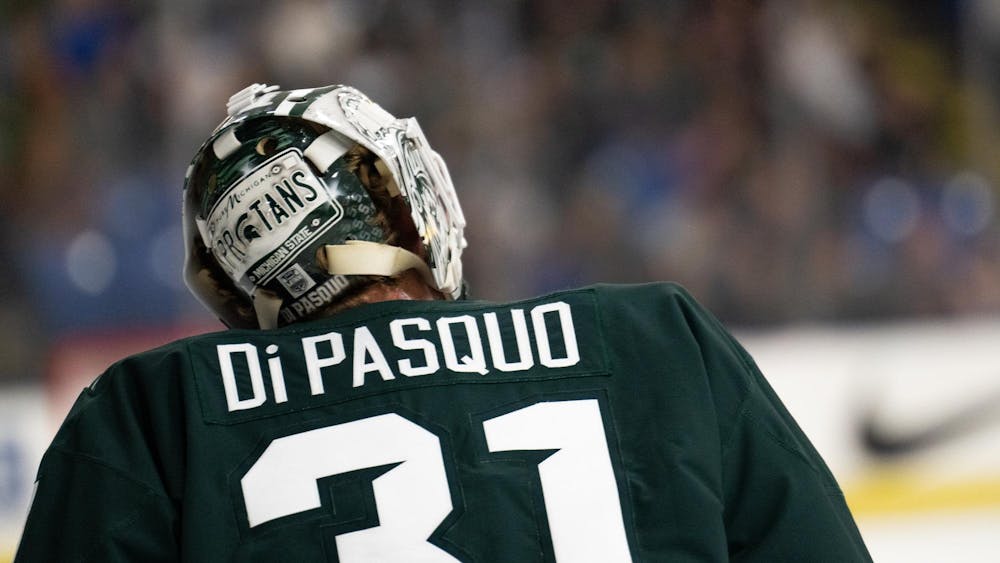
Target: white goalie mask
(275,227)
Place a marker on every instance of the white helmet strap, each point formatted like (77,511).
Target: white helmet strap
(353,258)
(267,306)
(364,258)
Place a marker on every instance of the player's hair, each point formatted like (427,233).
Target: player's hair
(392,216)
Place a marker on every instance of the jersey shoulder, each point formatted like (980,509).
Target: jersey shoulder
(160,364)
(667,306)
(662,317)
(662,328)
(658,290)
(652,299)
(142,387)
(655,289)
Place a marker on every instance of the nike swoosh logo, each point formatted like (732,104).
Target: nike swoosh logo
(885,443)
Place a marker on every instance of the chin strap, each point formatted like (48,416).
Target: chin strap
(363,258)
(266,305)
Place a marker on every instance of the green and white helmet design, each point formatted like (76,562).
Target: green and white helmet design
(277,226)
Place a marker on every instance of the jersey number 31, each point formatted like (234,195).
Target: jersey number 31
(578,483)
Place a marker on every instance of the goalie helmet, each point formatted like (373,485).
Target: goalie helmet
(279,221)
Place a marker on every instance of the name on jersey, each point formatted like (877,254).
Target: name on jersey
(483,345)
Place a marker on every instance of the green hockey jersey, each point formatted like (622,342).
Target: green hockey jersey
(607,424)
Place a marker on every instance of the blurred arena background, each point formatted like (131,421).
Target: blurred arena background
(822,174)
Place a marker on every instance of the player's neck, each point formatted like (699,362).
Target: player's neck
(408,286)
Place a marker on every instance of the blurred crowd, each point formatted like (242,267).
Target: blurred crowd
(787,161)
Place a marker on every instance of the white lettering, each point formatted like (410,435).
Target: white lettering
(475,361)
(365,345)
(315,364)
(525,359)
(568,334)
(458,339)
(233,401)
(399,339)
(277,375)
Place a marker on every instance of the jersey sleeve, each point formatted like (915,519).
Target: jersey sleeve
(84,511)
(106,486)
(781,502)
